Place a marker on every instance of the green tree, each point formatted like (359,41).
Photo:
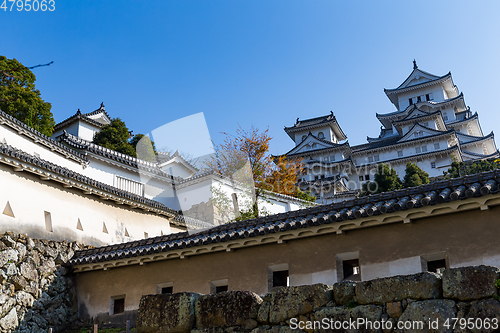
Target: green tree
(414,176)
(386,179)
(306,196)
(20,98)
(145,148)
(115,136)
(459,169)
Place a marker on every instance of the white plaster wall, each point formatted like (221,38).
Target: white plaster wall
(327,131)
(404,266)
(437,91)
(87,131)
(30,197)
(177,169)
(328,277)
(488,261)
(194,194)
(27,145)
(71,129)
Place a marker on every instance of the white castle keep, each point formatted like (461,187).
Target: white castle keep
(432,126)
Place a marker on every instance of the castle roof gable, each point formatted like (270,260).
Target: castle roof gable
(318,122)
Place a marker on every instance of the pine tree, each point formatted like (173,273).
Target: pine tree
(386,179)
(414,176)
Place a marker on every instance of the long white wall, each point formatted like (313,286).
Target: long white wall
(31,199)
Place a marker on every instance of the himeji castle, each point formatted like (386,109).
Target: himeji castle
(432,127)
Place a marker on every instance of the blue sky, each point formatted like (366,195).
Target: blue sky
(251,62)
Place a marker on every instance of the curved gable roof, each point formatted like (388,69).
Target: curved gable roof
(308,124)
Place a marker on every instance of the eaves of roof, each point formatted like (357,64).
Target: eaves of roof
(457,122)
(100,110)
(39,138)
(475,138)
(315,123)
(433,104)
(432,130)
(412,157)
(481,156)
(465,193)
(76,117)
(419,85)
(377,145)
(426,115)
(334,146)
(110,154)
(25,162)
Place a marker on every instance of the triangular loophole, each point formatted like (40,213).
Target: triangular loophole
(8,210)
(104,229)
(161,232)
(126,233)
(79,225)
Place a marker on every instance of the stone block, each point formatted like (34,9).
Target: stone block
(19,282)
(10,321)
(231,308)
(394,309)
(418,286)
(290,302)
(344,292)
(470,283)
(263,314)
(166,313)
(425,312)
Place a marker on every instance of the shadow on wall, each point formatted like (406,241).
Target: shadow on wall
(37,291)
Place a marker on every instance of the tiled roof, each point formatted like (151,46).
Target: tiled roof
(458,121)
(384,203)
(29,163)
(444,77)
(475,138)
(312,121)
(495,154)
(77,116)
(309,152)
(130,161)
(22,128)
(301,125)
(100,110)
(376,144)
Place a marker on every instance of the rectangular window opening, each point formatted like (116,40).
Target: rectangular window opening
(117,305)
(351,270)
(167,290)
(436,266)
(433,165)
(48,222)
(219,286)
(221,289)
(280,279)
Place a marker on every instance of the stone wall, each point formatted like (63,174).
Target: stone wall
(395,302)
(37,290)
